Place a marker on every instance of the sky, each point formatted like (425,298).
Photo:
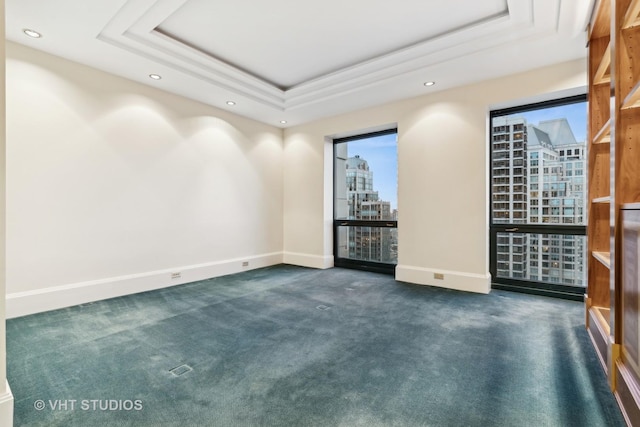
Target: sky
(576,115)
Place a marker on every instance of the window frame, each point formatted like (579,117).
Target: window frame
(337,223)
(521,285)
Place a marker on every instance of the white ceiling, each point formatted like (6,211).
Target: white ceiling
(303,60)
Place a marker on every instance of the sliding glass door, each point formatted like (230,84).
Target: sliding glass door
(538,198)
(365,201)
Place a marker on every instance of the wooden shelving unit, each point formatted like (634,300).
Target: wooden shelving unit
(605,199)
(603,72)
(604,134)
(632,15)
(612,303)
(633,99)
(603,257)
(598,298)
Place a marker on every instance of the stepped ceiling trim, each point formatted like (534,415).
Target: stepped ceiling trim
(183,35)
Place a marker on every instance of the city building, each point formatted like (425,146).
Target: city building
(556,179)
(538,178)
(367,243)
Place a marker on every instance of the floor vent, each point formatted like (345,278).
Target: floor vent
(323,307)
(181,370)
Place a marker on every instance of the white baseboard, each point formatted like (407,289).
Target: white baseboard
(6,407)
(39,300)
(479,283)
(307,260)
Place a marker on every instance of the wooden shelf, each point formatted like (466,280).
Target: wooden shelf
(632,17)
(603,74)
(603,257)
(633,99)
(605,199)
(604,134)
(600,122)
(600,24)
(599,331)
(613,44)
(603,314)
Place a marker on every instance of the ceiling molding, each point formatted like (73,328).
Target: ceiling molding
(134,29)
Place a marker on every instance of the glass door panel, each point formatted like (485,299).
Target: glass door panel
(365,201)
(548,258)
(377,243)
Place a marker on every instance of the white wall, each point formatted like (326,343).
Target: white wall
(6,397)
(443,177)
(113,185)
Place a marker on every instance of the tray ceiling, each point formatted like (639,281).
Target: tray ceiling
(299,61)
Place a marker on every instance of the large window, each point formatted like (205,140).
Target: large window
(538,197)
(366,201)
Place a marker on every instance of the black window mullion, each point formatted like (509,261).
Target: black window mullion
(579,230)
(365,223)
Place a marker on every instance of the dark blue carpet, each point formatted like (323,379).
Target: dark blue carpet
(289,346)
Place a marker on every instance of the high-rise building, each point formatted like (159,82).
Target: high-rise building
(364,202)
(509,204)
(556,196)
(538,178)
(368,243)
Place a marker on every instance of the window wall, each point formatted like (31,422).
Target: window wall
(538,199)
(365,201)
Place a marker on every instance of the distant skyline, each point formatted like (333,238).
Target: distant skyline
(381,153)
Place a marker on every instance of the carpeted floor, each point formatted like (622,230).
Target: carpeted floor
(289,346)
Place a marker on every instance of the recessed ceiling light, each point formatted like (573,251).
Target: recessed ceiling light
(429,83)
(155,76)
(284,122)
(32,33)
(231,103)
